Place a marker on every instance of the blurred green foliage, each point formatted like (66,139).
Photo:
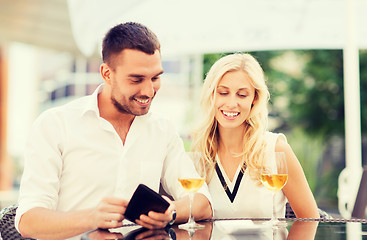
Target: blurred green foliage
(307,104)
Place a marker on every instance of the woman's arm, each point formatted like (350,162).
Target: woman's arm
(297,189)
(303,230)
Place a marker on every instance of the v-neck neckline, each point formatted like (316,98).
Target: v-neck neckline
(231,183)
(225,180)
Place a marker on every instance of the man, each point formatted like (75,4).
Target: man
(85,159)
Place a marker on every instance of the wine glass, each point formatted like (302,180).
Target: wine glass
(274,178)
(191,181)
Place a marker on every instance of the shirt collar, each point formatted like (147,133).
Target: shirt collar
(92,102)
(92,105)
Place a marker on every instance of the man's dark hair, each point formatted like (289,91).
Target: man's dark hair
(129,35)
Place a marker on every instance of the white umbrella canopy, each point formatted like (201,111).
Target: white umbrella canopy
(194,27)
(191,26)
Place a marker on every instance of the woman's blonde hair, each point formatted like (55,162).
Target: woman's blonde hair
(205,137)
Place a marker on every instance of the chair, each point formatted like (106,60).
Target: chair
(289,211)
(7,227)
(290,214)
(359,209)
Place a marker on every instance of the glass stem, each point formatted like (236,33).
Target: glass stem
(273,218)
(191,218)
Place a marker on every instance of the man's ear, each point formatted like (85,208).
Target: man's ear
(105,71)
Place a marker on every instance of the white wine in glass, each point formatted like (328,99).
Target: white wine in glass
(275,179)
(274,182)
(191,184)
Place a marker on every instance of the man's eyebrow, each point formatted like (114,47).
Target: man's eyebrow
(142,76)
(136,75)
(160,73)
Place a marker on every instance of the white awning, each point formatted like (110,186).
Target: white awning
(206,26)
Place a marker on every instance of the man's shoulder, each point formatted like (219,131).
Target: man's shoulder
(160,122)
(76,106)
(158,119)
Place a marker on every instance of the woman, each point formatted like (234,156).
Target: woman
(235,145)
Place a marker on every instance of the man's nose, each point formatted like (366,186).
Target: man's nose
(148,89)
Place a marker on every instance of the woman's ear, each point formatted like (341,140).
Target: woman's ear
(105,71)
(253,102)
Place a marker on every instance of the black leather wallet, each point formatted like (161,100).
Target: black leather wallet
(144,200)
(151,234)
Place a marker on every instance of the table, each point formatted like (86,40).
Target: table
(297,229)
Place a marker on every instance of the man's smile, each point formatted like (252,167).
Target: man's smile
(143,102)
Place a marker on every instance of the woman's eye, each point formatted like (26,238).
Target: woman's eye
(223,93)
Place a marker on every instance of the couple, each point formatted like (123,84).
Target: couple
(84,159)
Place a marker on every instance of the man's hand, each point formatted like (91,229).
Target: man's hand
(104,235)
(156,220)
(159,234)
(109,213)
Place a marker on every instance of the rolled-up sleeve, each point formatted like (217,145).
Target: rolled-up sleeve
(42,166)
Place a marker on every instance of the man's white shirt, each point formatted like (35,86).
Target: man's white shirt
(74,158)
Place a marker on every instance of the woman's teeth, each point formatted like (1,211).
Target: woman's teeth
(230,114)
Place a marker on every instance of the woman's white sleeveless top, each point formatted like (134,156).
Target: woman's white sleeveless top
(252,200)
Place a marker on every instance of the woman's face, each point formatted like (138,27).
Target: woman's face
(234,97)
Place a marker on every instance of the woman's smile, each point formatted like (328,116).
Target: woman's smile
(230,115)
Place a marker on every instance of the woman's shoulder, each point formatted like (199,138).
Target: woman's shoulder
(276,136)
(277,141)
(271,138)
(281,144)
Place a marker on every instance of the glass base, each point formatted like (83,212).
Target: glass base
(191,226)
(278,224)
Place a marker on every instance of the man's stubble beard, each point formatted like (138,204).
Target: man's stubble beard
(125,109)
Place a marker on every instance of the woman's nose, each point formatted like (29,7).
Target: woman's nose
(231,101)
